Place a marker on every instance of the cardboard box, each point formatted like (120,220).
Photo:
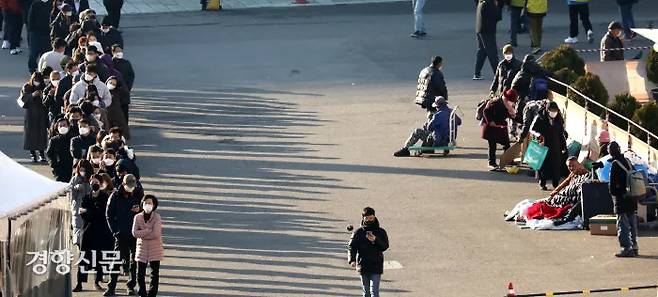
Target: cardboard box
(603,225)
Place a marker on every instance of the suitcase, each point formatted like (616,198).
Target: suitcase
(595,199)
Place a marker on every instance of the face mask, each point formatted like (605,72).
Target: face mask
(55,82)
(111,86)
(96,160)
(46,81)
(129,189)
(552,114)
(83,173)
(63,130)
(75,73)
(36,83)
(509,57)
(68,14)
(119,55)
(148,208)
(83,130)
(89,77)
(109,162)
(97,116)
(369,223)
(105,30)
(96,102)
(95,187)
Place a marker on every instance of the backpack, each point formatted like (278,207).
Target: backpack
(538,88)
(479,111)
(635,186)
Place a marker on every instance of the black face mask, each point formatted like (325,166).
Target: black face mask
(369,223)
(95,187)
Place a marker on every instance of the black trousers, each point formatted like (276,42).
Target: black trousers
(126,247)
(13,28)
(487,49)
(155,278)
(492,150)
(113,8)
(581,10)
(39,43)
(125,109)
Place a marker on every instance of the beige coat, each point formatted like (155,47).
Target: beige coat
(149,238)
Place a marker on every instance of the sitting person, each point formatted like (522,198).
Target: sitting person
(438,126)
(568,192)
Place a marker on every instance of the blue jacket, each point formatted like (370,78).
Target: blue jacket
(440,125)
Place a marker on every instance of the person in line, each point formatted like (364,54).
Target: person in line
(80,188)
(90,77)
(80,144)
(487,17)
(579,8)
(54,57)
(518,20)
(58,152)
(96,235)
(91,58)
(627,19)
(625,207)
(437,129)
(122,65)
(116,117)
(494,125)
(366,252)
(77,6)
(109,35)
(38,29)
(59,28)
(611,44)
(548,127)
(12,13)
(431,84)
(419,22)
(522,82)
(35,124)
(50,99)
(505,72)
(122,207)
(536,11)
(147,228)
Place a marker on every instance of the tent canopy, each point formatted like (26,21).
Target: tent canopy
(22,188)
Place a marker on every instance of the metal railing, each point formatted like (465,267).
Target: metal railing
(609,111)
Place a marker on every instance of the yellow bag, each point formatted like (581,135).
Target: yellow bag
(213,5)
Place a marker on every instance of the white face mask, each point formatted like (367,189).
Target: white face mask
(46,81)
(111,86)
(508,57)
(63,130)
(128,189)
(97,116)
(55,82)
(96,160)
(68,14)
(148,208)
(83,130)
(75,73)
(552,114)
(119,55)
(105,30)
(109,162)
(96,103)
(89,77)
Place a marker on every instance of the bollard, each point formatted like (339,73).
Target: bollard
(510,290)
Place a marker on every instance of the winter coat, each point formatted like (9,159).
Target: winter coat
(555,140)
(495,112)
(59,157)
(60,26)
(65,85)
(115,113)
(505,73)
(11,6)
(79,189)
(537,7)
(618,186)
(529,70)
(369,256)
(430,85)
(119,213)
(101,69)
(84,5)
(149,238)
(96,235)
(126,69)
(35,124)
(80,145)
(51,103)
(79,90)
(440,125)
(38,19)
(110,38)
(610,41)
(486,17)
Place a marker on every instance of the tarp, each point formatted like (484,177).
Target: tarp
(651,34)
(24,189)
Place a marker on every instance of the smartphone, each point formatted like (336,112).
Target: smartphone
(368,233)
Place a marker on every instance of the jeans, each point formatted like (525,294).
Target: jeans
(487,48)
(536,23)
(627,230)
(627,19)
(126,247)
(492,150)
(113,8)
(581,10)
(155,279)
(419,23)
(39,43)
(370,284)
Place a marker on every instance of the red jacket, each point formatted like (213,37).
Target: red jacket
(10,6)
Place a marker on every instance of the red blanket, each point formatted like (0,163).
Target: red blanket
(541,210)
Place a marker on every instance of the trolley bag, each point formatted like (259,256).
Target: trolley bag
(595,199)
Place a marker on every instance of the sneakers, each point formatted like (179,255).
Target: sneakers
(403,152)
(625,253)
(78,288)
(477,77)
(5,44)
(417,34)
(493,167)
(16,51)
(590,36)
(109,292)
(571,40)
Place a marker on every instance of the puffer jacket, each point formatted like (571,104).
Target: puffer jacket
(537,7)
(430,85)
(369,256)
(149,238)
(505,73)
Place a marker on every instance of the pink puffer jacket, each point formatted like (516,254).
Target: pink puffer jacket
(149,238)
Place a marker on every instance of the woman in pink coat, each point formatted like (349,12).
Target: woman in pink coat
(147,228)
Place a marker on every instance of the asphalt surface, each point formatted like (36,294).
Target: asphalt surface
(265,132)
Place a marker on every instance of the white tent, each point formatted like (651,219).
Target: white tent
(651,34)
(24,189)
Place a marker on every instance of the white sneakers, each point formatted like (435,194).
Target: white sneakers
(16,51)
(571,40)
(5,44)
(590,36)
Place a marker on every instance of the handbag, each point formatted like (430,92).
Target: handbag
(535,155)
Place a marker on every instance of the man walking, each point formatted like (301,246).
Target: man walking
(419,23)
(625,207)
(487,17)
(431,84)
(579,8)
(366,252)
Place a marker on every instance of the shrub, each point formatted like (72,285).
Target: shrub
(652,66)
(564,75)
(590,85)
(626,105)
(646,117)
(563,56)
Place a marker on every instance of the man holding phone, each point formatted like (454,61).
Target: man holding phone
(366,252)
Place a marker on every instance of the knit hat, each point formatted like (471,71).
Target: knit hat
(604,136)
